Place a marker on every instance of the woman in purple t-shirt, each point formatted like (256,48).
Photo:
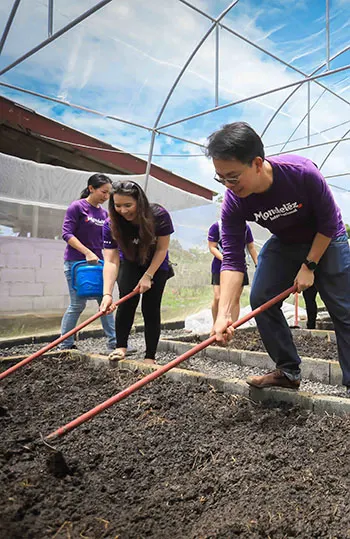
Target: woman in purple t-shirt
(83,231)
(136,241)
(215,247)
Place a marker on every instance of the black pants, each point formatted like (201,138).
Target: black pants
(311,306)
(129,275)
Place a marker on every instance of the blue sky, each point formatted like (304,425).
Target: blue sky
(123,60)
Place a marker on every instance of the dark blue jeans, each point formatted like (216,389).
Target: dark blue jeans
(277,268)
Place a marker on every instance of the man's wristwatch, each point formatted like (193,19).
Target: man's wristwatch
(310,264)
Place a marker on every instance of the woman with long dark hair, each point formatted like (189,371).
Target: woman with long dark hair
(83,231)
(136,241)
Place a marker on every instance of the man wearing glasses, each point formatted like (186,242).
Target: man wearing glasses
(288,196)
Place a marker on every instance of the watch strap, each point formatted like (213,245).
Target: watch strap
(310,264)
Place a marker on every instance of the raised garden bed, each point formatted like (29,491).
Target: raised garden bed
(173,460)
(320,344)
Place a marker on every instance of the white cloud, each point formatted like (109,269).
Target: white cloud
(124,59)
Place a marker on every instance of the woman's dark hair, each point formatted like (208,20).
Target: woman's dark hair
(96,181)
(235,141)
(123,231)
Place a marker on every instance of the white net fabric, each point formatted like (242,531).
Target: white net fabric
(27,182)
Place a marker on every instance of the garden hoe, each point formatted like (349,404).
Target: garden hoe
(56,462)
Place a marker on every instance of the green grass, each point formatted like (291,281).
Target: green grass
(179,303)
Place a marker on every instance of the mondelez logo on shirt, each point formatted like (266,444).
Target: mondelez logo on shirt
(98,222)
(275,213)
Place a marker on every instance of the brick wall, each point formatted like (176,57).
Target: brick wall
(31,276)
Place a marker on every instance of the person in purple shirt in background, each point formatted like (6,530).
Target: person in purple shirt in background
(288,196)
(215,247)
(83,231)
(309,296)
(136,241)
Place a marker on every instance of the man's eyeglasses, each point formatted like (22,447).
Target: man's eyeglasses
(232,180)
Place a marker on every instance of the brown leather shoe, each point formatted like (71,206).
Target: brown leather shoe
(273,379)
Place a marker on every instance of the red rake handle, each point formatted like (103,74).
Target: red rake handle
(156,374)
(63,337)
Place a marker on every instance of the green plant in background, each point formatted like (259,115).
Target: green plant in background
(190,290)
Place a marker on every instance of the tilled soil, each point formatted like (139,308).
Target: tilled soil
(170,461)
(307,345)
(320,347)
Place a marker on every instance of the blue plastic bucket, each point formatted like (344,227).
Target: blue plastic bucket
(87,279)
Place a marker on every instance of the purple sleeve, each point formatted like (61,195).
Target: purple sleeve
(233,234)
(248,235)
(213,233)
(108,241)
(71,220)
(325,209)
(163,223)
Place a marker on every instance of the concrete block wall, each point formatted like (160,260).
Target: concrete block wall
(31,276)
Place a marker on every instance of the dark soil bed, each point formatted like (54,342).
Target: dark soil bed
(171,461)
(307,345)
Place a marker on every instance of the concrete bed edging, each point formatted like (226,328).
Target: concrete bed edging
(85,333)
(317,404)
(313,369)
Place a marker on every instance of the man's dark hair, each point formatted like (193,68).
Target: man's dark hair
(235,141)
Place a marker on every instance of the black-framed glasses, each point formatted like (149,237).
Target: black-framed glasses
(233,181)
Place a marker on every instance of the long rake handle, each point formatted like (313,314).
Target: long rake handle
(156,374)
(63,337)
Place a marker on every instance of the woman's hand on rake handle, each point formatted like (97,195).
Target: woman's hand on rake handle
(107,306)
(144,283)
(222,329)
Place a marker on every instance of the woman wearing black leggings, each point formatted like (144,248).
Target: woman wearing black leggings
(136,241)
(311,306)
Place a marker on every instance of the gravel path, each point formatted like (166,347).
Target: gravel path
(205,365)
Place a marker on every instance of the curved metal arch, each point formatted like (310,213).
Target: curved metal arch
(190,58)
(334,147)
(310,146)
(9,24)
(277,111)
(74,106)
(96,112)
(261,94)
(215,24)
(333,57)
(301,121)
(56,35)
(302,138)
(296,89)
(177,80)
(268,53)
